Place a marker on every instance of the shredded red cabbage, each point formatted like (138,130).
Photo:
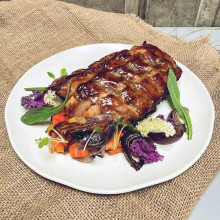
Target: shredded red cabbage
(35,100)
(162,117)
(168,119)
(171,120)
(145,150)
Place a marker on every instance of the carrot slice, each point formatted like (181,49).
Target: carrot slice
(116,151)
(110,144)
(59,117)
(72,149)
(78,153)
(59,147)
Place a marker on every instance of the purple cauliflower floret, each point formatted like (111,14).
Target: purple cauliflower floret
(145,150)
(35,100)
(38,95)
(35,104)
(25,100)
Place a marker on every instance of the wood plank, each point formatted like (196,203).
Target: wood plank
(171,13)
(132,6)
(207,13)
(104,5)
(217,17)
(136,7)
(163,13)
(142,9)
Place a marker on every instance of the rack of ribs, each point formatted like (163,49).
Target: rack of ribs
(127,84)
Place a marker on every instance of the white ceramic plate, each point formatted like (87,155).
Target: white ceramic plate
(113,174)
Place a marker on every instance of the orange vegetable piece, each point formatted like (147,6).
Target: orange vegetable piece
(116,151)
(79,153)
(59,147)
(59,117)
(110,144)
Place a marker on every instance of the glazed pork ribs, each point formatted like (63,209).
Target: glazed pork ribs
(125,84)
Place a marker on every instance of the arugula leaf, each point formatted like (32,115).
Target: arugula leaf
(175,97)
(63,72)
(51,75)
(43,113)
(41,89)
(42,141)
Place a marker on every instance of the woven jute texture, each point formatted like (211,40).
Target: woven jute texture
(31,31)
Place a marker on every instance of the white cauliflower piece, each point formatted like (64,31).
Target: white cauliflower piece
(51,98)
(155,125)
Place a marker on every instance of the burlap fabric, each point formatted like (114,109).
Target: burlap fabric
(31,31)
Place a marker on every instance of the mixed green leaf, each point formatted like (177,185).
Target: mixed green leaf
(41,89)
(42,141)
(175,97)
(42,114)
(45,140)
(51,75)
(63,72)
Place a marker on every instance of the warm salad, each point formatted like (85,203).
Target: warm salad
(136,140)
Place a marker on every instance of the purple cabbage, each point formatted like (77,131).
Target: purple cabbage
(145,150)
(168,119)
(139,150)
(35,100)
(162,117)
(171,120)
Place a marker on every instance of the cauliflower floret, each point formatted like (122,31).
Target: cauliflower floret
(51,98)
(155,125)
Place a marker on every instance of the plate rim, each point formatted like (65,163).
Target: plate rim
(119,191)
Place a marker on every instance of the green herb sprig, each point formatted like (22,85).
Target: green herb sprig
(175,97)
(42,141)
(60,139)
(51,127)
(95,130)
(51,75)
(43,113)
(115,135)
(41,89)
(63,72)
(129,126)
(45,141)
